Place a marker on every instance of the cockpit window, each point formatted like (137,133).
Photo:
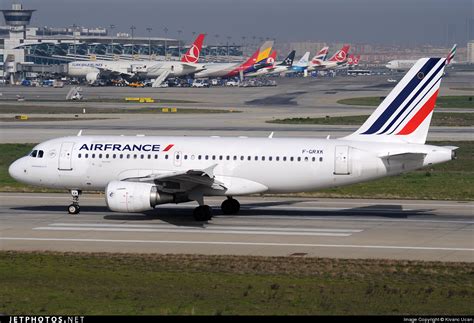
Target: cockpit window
(37,153)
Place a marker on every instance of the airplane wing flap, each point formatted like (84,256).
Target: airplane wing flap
(191,177)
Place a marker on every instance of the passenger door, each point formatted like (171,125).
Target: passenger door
(65,156)
(342,165)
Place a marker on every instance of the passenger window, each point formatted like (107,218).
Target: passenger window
(128,156)
(121,156)
(306,159)
(284,158)
(256,157)
(241,157)
(270,158)
(79,156)
(263,158)
(277,158)
(142,156)
(320,159)
(149,156)
(199,157)
(220,157)
(156,156)
(207,157)
(291,158)
(100,155)
(86,156)
(235,157)
(249,158)
(114,156)
(227,157)
(313,159)
(299,158)
(185,157)
(166,156)
(134,156)
(107,156)
(213,157)
(93,156)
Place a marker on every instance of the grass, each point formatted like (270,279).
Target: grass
(455,101)
(119,284)
(39,119)
(440,119)
(106,100)
(449,181)
(78,109)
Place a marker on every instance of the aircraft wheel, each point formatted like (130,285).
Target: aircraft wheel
(230,206)
(73,209)
(203,213)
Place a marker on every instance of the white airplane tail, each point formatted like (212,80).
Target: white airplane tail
(405,114)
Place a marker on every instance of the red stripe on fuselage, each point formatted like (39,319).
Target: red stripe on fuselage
(420,116)
(168,147)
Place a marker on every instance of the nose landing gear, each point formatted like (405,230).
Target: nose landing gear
(74,208)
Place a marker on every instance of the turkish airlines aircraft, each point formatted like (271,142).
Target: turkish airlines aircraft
(138,173)
(91,70)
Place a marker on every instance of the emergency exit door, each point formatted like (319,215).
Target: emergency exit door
(342,164)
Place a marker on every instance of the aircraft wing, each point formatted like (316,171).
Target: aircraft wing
(110,72)
(182,180)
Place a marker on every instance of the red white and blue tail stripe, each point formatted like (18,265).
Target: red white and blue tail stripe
(405,114)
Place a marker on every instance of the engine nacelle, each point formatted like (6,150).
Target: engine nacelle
(134,197)
(92,77)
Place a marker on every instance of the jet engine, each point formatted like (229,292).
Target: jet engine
(134,197)
(92,77)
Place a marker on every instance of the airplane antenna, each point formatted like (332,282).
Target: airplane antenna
(79,133)
(271,135)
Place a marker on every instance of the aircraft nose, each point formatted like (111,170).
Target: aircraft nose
(16,170)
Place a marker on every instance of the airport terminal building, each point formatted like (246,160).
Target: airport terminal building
(25,49)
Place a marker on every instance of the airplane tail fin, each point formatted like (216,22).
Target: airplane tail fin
(451,54)
(265,50)
(341,55)
(351,60)
(288,61)
(321,55)
(192,55)
(405,114)
(272,59)
(303,60)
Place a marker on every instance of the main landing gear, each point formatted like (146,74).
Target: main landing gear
(230,206)
(74,208)
(204,212)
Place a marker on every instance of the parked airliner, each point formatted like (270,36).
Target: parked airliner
(138,173)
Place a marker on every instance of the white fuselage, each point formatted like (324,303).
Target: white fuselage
(400,65)
(270,71)
(217,70)
(148,69)
(243,165)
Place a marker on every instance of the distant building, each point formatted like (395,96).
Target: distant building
(470,52)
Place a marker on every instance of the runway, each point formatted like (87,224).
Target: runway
(270,226)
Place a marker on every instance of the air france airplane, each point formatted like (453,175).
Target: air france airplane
(138,173)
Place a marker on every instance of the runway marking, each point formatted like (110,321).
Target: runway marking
(255,202)
(248,232)
(241,243)
(208,227)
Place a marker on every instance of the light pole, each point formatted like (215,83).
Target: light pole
(112,39)
(149,29)
(166,36)
(179,42)
(228,40)
(74,37)
(217,42)
(243,45)
(132,28)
